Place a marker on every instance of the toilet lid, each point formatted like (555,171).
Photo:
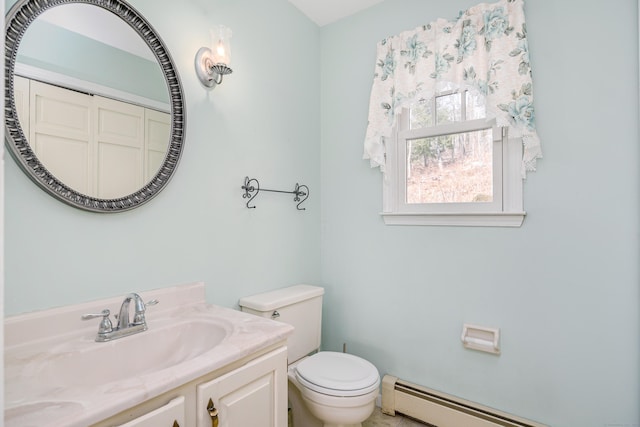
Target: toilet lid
(338,374)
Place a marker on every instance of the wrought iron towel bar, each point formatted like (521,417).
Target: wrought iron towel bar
(251,189)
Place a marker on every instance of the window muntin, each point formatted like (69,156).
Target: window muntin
(449,107)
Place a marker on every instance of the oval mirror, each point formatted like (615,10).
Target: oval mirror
(94,105)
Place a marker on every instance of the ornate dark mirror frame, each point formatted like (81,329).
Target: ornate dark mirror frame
(16,23)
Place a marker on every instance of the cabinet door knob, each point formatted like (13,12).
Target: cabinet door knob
(213,413)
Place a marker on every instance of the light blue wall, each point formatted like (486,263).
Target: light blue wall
(563,288)
(263,121)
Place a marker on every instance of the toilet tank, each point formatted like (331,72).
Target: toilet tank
(299,306)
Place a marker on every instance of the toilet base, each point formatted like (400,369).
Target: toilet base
(300,415)
(303,416)
(341,417)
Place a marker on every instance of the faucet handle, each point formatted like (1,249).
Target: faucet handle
(139,317)
(105,324)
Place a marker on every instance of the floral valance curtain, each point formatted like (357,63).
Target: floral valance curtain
(484,49)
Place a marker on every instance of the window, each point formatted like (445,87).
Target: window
(449,165)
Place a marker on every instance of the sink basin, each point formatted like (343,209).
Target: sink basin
(153,350)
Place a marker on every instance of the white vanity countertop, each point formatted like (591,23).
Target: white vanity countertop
(35,342)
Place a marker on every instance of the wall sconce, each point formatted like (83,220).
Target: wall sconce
(213,63)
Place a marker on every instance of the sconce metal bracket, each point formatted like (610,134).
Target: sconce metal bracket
(251,189)
(209,74)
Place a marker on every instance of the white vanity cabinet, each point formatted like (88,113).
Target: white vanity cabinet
(251,395)
(170,415)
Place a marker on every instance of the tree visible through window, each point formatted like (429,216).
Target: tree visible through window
(454,167)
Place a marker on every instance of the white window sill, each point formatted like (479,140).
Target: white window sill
(488,219)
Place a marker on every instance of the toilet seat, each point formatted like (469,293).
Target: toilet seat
(337,374)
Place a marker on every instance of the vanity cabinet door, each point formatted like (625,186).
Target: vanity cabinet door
(250,396)
(170,415)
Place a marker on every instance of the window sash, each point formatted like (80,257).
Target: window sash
(400,164)
(510,213)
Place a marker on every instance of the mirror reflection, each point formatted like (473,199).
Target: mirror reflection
(92,101)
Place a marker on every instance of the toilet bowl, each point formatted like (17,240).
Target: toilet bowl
(325,388)
(337,389)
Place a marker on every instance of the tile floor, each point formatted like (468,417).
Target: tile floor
(378,419)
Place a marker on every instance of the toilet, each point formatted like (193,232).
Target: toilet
(325,388)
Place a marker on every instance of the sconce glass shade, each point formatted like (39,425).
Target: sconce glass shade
(221,45)
(213,63)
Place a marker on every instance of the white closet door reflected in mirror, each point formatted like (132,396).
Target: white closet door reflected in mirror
(98,146)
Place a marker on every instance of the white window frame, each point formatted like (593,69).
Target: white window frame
(505,211)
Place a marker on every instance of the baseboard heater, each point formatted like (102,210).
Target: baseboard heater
(442,410)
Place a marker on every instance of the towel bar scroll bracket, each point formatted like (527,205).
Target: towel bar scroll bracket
(251,189)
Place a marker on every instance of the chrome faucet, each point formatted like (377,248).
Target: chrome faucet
(138,318)
(106,331)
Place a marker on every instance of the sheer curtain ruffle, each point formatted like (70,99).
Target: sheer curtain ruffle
(484,49)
